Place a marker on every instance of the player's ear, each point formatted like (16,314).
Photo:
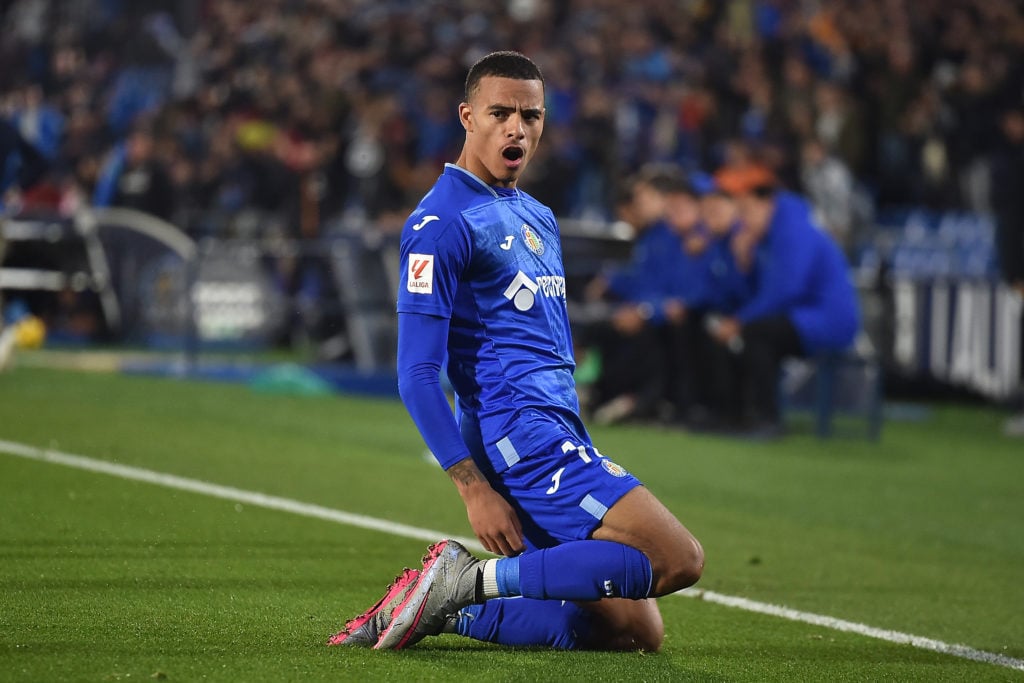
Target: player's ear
(466,116)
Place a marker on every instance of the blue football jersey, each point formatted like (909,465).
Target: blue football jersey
(490,260)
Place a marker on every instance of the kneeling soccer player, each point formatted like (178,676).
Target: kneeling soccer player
(586,546)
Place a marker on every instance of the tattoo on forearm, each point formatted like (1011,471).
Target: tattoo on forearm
(465,473)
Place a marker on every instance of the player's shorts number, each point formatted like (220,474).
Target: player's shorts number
(569,447)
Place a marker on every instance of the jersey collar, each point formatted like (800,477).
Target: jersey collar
(471,178)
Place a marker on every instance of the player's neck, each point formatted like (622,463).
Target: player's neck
(480,171)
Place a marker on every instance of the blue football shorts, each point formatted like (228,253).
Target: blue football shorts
(563,495)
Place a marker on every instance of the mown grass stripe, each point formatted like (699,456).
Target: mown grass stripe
(263,500)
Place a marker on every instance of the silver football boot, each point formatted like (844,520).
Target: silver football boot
(446,584)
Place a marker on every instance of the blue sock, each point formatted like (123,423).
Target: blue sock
(578,570)
(506,571)
(523,622)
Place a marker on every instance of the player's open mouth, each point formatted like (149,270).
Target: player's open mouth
(513,156)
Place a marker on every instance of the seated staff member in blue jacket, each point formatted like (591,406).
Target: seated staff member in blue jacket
(709,285)
(682,212)
(630,339)
(802,300)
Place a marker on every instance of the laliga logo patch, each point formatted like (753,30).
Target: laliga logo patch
(613,469)
(532,241)
(421,274)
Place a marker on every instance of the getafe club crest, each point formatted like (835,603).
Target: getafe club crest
(532,241)
(613,469)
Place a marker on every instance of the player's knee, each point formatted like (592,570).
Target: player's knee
(648,629)
(649,637)
(644,630)
(681,569)
(646,636)
(627,626)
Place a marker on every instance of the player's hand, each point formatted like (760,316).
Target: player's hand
(493,520)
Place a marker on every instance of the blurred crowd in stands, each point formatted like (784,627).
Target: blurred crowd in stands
(233,117)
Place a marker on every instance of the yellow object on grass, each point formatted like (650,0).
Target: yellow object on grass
(29,332)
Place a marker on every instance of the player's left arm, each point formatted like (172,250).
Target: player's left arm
(421,351)
(422,341)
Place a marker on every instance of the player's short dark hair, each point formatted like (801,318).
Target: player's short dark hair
(504,64)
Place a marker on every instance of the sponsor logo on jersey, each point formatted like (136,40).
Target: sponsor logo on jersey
(523,290)
(421,274)
(613,469)
(533,242)
(552,285)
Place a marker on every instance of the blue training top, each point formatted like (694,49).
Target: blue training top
(484,282)
(801,272)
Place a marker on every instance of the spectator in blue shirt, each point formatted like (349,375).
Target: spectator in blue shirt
(39,122)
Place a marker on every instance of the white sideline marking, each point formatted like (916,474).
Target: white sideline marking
(835,624)
(228,493)
(362,521)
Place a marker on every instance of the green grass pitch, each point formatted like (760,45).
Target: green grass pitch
(106,579)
